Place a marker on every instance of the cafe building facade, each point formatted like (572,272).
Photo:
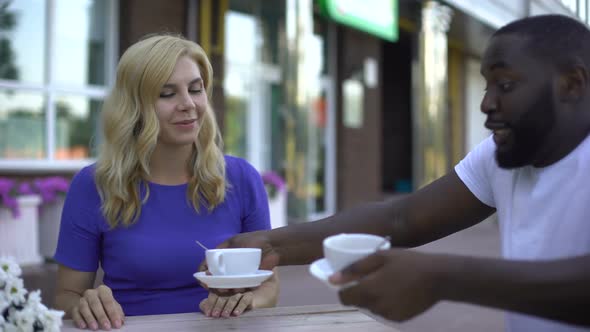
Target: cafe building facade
(348,101)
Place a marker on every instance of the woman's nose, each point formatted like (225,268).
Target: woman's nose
(186,103)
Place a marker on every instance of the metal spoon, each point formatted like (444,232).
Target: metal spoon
(200,244)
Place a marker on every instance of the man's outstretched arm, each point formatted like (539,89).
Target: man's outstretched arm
(435,211)
(556,289)
(399,284)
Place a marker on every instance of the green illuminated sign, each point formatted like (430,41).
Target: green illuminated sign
(377,17)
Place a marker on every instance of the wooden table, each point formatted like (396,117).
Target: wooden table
(304,318)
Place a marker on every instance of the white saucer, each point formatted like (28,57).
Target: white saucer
(239,281)
(322,270)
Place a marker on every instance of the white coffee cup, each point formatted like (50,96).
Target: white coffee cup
(233,261)
(344,249)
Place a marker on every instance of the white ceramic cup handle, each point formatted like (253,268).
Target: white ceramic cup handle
(218,259)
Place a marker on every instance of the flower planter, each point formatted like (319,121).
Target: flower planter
(278,209)
(276,190)
(19,236)
(49,221)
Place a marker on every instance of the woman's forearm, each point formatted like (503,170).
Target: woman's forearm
(267,295)
(66,300)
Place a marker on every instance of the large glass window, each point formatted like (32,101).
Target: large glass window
(239,82)
(310,133)
(582,10)
(253,82)
(278,99)
(56,62)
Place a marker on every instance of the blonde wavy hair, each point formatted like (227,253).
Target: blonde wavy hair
(131,128)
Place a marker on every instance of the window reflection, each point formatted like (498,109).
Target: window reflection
(582,10)
(79,52)
(22,125)
(276,96)
(76,123)
(306,135)
(22,42)
(240,60)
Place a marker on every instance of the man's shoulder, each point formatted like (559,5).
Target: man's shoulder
(486,147)
(583,148)
(482,155)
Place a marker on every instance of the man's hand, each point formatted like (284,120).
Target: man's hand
(270,257)
(396,284)
(96,309)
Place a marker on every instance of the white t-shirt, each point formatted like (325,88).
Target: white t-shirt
(544,213)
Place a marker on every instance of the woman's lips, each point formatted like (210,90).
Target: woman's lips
(186,124)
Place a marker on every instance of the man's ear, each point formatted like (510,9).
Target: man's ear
(573,81)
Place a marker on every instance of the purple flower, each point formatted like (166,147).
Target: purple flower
(25,188)
(273,182)
(6,185)
(48,188)
(7,193)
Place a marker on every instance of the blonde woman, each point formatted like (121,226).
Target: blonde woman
(160,183)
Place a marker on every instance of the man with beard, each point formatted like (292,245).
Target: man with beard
(532,171)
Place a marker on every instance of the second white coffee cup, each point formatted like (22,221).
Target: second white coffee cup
(233,261)
(344,249)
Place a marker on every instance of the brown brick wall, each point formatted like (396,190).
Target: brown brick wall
(359,149)
(140,17)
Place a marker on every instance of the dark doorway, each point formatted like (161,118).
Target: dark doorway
(396,119)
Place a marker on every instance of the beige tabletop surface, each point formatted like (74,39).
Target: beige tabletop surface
(302,318)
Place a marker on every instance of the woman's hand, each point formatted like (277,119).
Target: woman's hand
(227,303)
(219,304)
(97,308)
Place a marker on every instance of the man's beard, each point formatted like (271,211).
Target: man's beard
(529,133)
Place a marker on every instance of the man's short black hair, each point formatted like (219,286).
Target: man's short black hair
(553,38)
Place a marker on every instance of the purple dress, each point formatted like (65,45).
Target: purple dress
(150,265)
